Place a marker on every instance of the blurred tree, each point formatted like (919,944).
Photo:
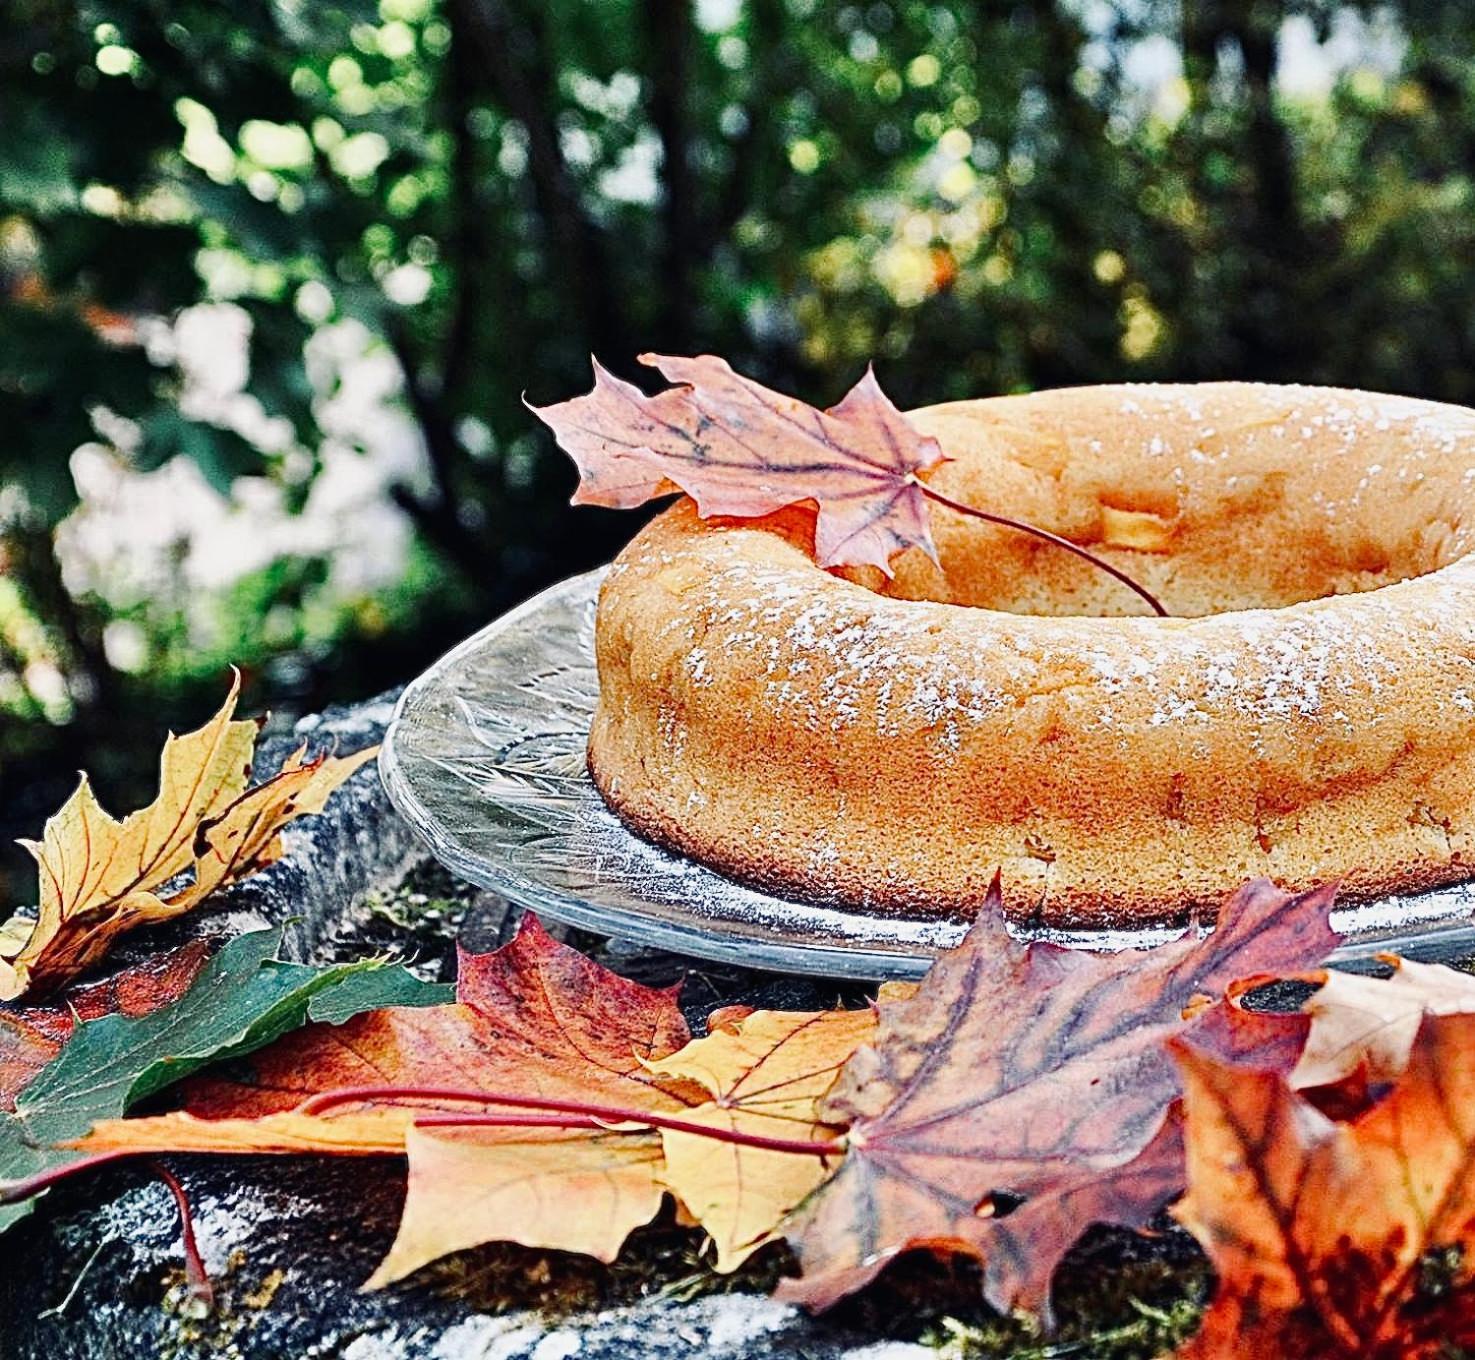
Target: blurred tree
(982,197)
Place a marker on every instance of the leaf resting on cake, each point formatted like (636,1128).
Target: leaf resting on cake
(738,448)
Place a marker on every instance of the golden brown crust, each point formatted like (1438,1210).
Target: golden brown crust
(809,734)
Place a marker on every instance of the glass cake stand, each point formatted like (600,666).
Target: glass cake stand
(485,758)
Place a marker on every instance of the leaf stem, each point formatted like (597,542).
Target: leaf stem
(201,1291)
(197,1278)
(1025,527)
(13,1192)
(597,1115)
(548,1113)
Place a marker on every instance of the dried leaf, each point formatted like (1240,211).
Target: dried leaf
(357,1133)
(1021,1071)
(1369,1024)
(1329,1239)
(100,877)
(93,866)
(738,448)
(1032,1239)
(539,1021)
(533,1019)
(565,1189)
(246,836)
(766,1073)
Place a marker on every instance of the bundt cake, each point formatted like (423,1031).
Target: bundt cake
(1308,713)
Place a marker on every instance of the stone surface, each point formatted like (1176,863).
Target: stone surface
(96,1273)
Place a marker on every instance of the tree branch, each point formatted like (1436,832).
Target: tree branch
(668,37)
(508,52)
(435,516)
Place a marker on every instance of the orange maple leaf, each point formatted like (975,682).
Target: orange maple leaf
(739,449)
(554,1105)
(1334,1239)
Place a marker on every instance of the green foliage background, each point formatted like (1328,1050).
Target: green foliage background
(975,195)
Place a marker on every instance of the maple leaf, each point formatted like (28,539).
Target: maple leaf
(534,1017)
(1322,1233)
(1023,1070)
(738,448)
(240,1000)
(1367,1024)
(765,1074)
(1032,1239)
(569,1189)
(100,877)
(580,1100)
(32,1036)
(534,1021)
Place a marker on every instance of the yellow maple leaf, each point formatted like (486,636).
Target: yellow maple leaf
(766,1073)
(368,1132)
(246,836)
(101,876)
(555,1188)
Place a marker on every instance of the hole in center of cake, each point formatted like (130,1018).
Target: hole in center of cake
(1258,517)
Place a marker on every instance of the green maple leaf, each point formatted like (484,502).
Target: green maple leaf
(242,999)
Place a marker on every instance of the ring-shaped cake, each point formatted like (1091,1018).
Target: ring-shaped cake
(1308,713)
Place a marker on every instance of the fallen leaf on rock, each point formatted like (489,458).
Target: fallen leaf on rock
(535,1018)
(529,1109)
(240,1000)
(1030,1241)
(100,877)
(1023,1070)
(738,448)
(374,1131)
(563,1028)
(1368,1023)
(245,837)
(765,1074)
(534,1021)
(31,1036)
(1334,1239)
(570,1189)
